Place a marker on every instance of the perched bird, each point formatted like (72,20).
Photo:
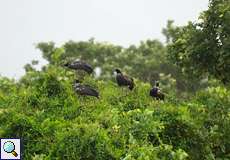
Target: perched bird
(85,90)
(80,65)
(123,80)
(156,92)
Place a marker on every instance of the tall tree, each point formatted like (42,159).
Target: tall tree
(203,48)
(145,61)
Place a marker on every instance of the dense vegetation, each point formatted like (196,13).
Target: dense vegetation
(202,48)
(192,123)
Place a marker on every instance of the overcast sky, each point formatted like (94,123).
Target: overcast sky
(23,23)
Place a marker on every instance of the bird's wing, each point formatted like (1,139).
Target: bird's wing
(124,80)
(89,90)
(88,68)
(74,65)
(83,65)
(153,92)
(121,80)
(127,78)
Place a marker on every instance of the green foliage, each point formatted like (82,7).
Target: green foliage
(47,50)
(54,123)
(202,48)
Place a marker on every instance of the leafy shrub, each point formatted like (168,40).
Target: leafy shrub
(55,123)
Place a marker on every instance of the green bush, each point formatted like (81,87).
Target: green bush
(55,123)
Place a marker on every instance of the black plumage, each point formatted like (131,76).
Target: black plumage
(123,80)
(156,92)
(80,65)
(85,90)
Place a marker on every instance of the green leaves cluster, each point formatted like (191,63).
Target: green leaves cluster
(54,123)
(202,48)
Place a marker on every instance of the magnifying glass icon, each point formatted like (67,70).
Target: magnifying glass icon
(9,147)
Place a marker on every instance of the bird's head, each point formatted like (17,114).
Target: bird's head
(117,70)
(77,81)
(157,83)
(66,64)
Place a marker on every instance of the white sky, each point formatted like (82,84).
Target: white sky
(23,23)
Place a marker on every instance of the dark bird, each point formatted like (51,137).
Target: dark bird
(156,92)
(123,80)
(80,65)
(85,90)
